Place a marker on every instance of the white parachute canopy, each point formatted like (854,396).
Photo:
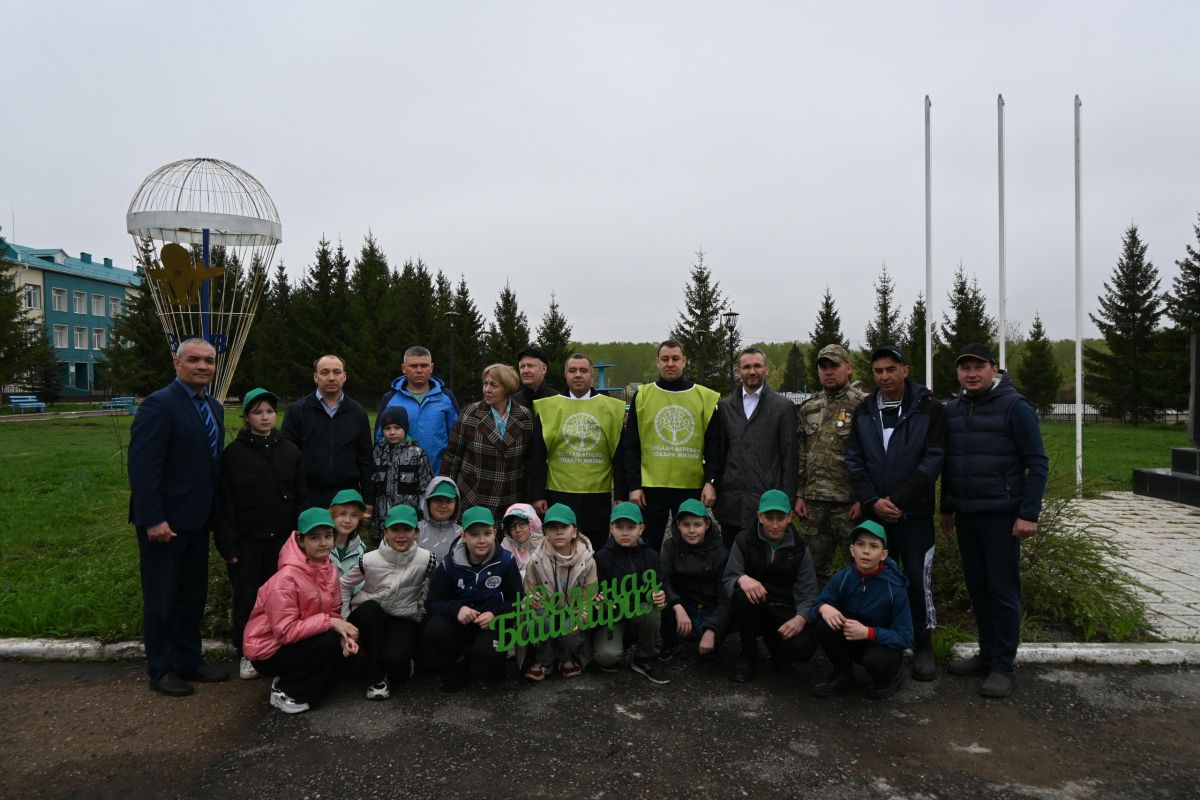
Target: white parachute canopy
(204,234)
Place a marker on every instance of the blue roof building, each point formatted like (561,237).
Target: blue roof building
(75,301)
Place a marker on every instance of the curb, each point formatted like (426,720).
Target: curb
(1159,654)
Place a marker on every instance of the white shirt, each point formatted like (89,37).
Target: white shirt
(750,401)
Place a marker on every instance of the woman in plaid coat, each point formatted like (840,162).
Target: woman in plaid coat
(488,450)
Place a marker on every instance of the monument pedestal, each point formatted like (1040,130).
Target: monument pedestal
(1179,484)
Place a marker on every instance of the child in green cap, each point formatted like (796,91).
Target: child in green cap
(390,606)
(862,615)
(693,566)
(439,509)
(771,585)
(348,510)
(561,562)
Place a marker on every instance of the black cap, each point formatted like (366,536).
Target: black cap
(888,351)
(976,351)
(533,352)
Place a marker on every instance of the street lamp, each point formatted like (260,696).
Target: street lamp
(700,374)
(729,320)
(451,318)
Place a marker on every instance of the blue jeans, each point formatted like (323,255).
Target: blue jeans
(697,614)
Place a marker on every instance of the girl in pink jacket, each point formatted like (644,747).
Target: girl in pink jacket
(296,633)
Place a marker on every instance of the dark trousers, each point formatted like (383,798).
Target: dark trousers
(661,505)
(911,543)
(729,532)
(754,620)
(881,663)
(388,643)
(306,669)
(446,640)
(257,561)
(320,496)
(991,558)
(174,590)
(697,615)
(591,513)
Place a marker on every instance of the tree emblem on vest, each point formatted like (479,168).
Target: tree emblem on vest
(674,424)
(582,431)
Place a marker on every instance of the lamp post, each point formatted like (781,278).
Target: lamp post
(729,320)
(700,373)
(451,318)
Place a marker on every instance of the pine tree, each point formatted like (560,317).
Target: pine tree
(554,337)
(414,296)
(1173,345)
(280,363)
(1038,376)
(437,338)
(316,303)
(793,370)
(828,330)
(1124,378)
(698,328)
(509,331)
(1183,301)
(912,343)
(467,356)
(887,327)
(966,322)
(371,319)
(139,356)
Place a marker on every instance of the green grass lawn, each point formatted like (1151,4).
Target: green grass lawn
(68,557)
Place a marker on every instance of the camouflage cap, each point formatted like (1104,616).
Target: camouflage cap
(835,353)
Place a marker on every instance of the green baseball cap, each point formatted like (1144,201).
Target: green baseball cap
(628,511)
(872,527)
(314,518)
(259,394)
(477,515)
(774,500)
(444,489)
(693,507)
(401,515)
(348,497)
(559,513)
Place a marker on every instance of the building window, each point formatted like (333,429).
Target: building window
(33,296)
(58,298)
(81,339)
(98,338)
(98,305)
(80,301)
(114,307)
(60,336)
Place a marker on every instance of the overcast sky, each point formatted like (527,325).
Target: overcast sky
(590,148)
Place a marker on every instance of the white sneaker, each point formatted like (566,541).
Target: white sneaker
(246,670)
(379,691)
(286,704)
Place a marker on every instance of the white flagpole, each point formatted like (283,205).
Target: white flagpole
(1078,308)
(928,252)
(1000,168)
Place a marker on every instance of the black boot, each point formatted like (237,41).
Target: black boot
(924,666)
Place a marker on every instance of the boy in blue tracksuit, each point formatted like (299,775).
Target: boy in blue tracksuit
(862,615)
(476,582)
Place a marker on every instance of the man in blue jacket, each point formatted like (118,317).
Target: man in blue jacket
(174,468)
(992,487)
(431,406)
(897,443)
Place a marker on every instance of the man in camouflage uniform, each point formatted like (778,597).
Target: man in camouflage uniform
(824,499)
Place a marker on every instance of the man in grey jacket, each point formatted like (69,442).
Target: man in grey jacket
(758,438)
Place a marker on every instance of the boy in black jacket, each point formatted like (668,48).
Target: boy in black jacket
(693,567)
(625,553)
(771,584)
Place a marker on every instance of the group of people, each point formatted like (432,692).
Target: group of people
(531,492)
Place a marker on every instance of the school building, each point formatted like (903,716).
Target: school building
(74,301)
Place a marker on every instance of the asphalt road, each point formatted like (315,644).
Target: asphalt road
(95,730)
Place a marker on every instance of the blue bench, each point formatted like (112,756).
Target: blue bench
(119,403)
(26,402)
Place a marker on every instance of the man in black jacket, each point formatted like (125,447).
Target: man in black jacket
(897,444)
(334,434)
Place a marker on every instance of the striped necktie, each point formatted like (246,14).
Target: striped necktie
(210,424)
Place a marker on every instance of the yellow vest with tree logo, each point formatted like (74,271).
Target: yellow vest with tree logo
(671,428)
(581,439)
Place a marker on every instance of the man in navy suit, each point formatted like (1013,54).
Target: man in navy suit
(174,465)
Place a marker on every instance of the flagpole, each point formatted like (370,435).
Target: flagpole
(1000,168)
(1078,306)
(928,252)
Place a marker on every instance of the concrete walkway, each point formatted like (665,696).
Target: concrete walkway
(1162,546)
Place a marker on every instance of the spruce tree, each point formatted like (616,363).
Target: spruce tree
(912,343)
(468,356)
(370,322)
(793,370)
(1038,376)
(554,337)
(1183,301)
(965,323)
(887,327)
(1173,344)
(437,337)
(828,330)
(18,337)
(509,331)
(1124,379)
(699,328)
